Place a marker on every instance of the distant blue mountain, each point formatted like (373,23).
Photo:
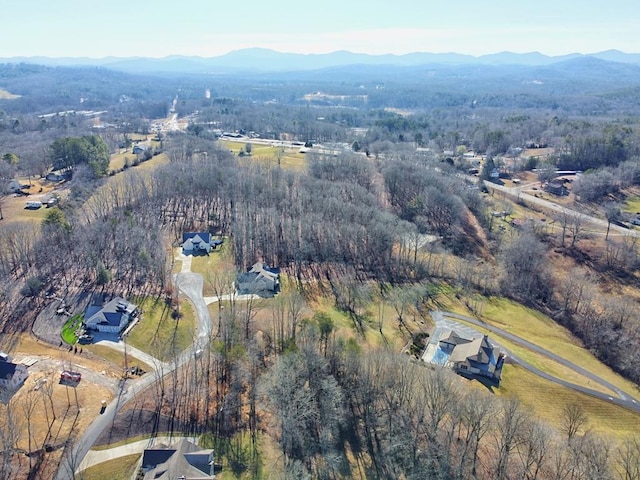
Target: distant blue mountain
(265,60)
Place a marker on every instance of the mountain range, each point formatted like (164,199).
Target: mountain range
(265,60)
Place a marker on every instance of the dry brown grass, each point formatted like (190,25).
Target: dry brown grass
(13,207)
(547,400)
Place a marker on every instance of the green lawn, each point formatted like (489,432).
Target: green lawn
(632,205)
(121,467)
(547,400)
(218,262)
(69,329)
(544,332)
(118,160)
(158,333)
(290,158)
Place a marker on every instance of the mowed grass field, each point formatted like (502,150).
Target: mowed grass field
(158,333)
(547,400)
(544,332)
(13,207)
(121,467)
(218,262)
(290,158)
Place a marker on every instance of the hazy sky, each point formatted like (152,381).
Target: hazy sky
(213,27)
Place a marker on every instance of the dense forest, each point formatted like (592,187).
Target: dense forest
(348,227)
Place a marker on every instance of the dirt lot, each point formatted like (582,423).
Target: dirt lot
(48,324)
(52,411)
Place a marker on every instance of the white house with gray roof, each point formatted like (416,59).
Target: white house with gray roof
(112,316)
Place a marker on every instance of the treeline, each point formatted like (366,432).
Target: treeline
(399,419)
(336,411)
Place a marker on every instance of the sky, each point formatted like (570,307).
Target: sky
(208,28)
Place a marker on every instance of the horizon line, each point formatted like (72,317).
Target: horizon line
(417,52)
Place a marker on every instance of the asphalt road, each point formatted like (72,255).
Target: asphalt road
(191,285)
(623,399)
(518,193)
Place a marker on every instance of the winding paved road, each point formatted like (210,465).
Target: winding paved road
(623,399)
(191,285)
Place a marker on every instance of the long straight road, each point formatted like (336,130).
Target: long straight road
(518,193)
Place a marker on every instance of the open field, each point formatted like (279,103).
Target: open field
(547,400)
(116,358)
(540,330)
(118,160)
(290,158)
(122,467)
(632,201)
(544,332)
(158,333)
(218,262)
(13,207)
(4,95)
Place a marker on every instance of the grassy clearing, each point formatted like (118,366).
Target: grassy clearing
(127,441)
(218,262)
(119,160)
(547,400)
(544,332)
(237,454)
(115,357)
(5,95)
(122,467)
(289,158)
(632,205)
(545,364)
(69,329)
(158,333)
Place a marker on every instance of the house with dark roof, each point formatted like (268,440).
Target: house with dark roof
(194,243)
(475,356)
(182,460)
(12,375)
(112,316)
(260,279)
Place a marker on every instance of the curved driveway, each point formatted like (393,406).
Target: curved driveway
(623,399)
(191,285)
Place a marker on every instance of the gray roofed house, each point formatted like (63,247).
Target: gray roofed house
(12,375)
(112,317)
(184,460)
(473,356)
(260,279)
(198,242)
